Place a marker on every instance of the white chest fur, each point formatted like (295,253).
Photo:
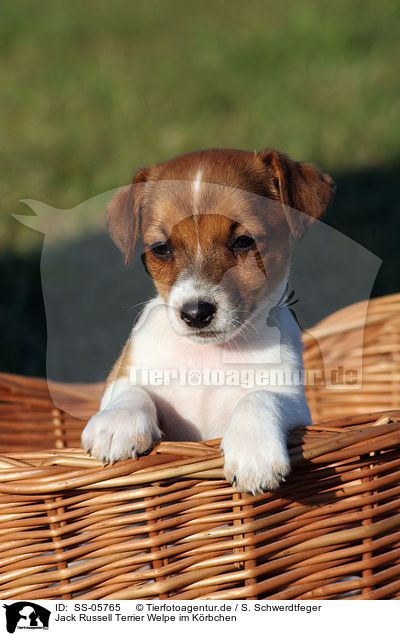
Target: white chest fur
(197,386)
(251,419)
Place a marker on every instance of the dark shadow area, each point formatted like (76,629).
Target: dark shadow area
(67,312)
(365,209)
(22,316)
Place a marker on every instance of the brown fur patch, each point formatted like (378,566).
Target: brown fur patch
(238,192)
(235,191)
(302,188)
(121,367)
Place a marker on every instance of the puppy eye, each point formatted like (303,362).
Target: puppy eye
(161,250)
(243,243)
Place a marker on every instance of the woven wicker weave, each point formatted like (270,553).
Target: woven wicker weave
(366,342)
(169,526)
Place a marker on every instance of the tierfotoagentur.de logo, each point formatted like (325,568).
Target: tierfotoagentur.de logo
(26,615)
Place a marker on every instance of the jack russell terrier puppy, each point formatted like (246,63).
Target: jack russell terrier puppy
(216,227)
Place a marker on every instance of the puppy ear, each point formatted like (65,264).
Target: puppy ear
(123,213)
(301,187)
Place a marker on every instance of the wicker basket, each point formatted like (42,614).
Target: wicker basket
(169,526)
(363,338)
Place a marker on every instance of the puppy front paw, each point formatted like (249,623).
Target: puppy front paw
(117,434)
(254,467)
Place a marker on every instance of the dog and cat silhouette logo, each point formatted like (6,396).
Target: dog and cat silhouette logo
(26,615)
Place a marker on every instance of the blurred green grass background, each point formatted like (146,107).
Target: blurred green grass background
(90,91)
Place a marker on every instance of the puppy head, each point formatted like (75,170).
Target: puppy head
(216,227)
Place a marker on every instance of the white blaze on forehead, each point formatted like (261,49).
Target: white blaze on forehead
(196,188)
(196,183)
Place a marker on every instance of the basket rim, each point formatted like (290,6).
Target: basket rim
(46,472)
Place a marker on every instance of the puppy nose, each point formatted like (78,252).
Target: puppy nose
(197,314)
